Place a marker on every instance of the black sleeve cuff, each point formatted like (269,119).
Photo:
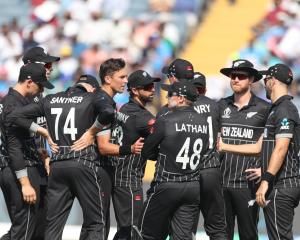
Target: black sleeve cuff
(125,150)
(268,177)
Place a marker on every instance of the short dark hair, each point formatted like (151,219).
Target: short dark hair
(109,67)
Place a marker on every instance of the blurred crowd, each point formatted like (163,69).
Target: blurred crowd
(276,38)
(146,33)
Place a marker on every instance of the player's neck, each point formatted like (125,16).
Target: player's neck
(108,90)
(21,89)
(242,99)
(278,93)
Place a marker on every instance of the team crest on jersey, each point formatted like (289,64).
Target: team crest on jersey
(226,113)
(250,114)
(284,124)
(36,99)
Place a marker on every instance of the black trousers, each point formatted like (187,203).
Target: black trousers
(22,215)
(212,203)
(128,205)
(67,180)
(279,213)
(176,203)
(236,203)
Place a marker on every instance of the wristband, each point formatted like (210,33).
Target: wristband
(268,177)
(125,150)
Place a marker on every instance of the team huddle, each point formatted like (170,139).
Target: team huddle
(222,159)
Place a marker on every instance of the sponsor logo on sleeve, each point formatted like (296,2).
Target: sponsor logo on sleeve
(284,124)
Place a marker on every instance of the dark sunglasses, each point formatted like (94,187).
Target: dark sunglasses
(240,76)
(48,65)
(147,87)
(266,79)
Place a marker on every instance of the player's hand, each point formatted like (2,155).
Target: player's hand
(136,148)
(28,192)
(53,146)
(87,139)
(261,193)
(220,144)
(47,165)
(254,174)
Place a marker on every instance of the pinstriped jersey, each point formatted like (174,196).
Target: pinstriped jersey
(283,122)
(241,126)
(178,142)
(68,114)
(133,121)
(209,109)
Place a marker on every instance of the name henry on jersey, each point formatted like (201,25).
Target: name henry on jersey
(183,127)
(237,132)
(203,108)
(75,99)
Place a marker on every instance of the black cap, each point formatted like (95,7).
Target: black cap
(140,78)
(89,79)
(184,87)
(38,54)
(36,72)
(180,68)
(242,65)
(281,72)
(199,80)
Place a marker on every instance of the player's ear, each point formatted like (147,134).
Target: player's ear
(107,79)
(134,91)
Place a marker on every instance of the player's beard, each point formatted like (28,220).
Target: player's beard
(268,95)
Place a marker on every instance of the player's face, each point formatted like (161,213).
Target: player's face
(146,93)
(240,82)
(48,67)
(118,80)
(268,80)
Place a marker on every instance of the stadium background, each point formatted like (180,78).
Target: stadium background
(148,34)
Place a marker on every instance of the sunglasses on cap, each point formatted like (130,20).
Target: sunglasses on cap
(240,76)
(147,87)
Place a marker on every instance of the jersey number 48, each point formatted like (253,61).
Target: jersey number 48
(183,154)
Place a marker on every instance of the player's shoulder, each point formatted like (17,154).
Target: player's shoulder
(261,102)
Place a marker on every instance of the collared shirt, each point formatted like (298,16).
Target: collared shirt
(178,142)
(283,122)
(133,121)
(241,126)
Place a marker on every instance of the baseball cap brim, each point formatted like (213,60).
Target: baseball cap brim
(47,84)
(264,72)
(50,59)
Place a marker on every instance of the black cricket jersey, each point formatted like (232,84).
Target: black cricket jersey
(209,109)
(163,111)
(68,114)
(41,121)
(19,143)
(283,122)
(133,121)
(241,126)
(178,142)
